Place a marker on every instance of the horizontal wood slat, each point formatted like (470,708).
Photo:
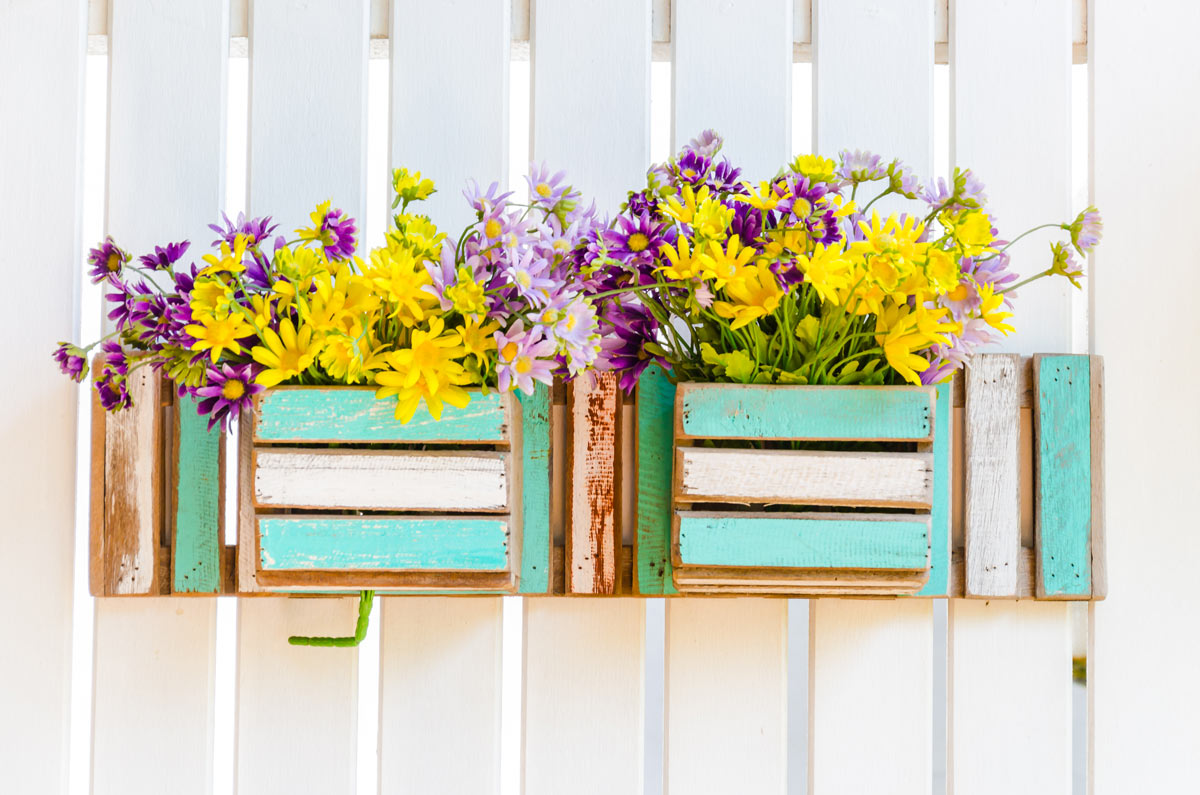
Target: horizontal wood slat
(438,480)
(810,477)
(354,414)
(822,413)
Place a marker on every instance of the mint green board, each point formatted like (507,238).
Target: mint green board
(299,543)
(535,490)
(792,542)
(353,414)
(939,528)
(735,411)
(196,557)
(1063,476)
(655,448)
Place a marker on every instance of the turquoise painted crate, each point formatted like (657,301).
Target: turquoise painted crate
(336,494)
(730,503)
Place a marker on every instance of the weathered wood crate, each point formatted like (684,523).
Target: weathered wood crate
(790,489)
(157,495)
(336,494)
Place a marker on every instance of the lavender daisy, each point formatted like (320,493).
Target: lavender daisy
(860,166)
(546,189)
(524,357)
(1086,231)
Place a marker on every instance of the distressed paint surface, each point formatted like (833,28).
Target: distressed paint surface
(793,542)
(939,524)
(535,490)
(655,445)
(592,545)
(733,411)
(353,414)
(196,557)
(1063,476)
(385,543)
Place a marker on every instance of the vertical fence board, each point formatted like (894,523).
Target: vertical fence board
(652,571)
(1142,672)
(440,695)
(1011,732)
(296,704)
(713,643)
(593,532)
(42,58)
(584,697)
(726,696)
(155,660)
(940,536)
(441,95)
(878,652)
(873,89)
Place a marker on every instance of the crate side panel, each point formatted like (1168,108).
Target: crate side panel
(353,414)
(199,511)
(655,422)
(939,518)
(535,490)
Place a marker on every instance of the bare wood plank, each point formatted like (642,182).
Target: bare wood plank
(1099,539)
(96,518)
(247,533)
(433,480)
(1025,575)
(993,502)
(811,477)
(592,536)
(1024,385)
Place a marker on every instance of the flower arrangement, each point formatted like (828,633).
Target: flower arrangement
(800,280)
(421,317)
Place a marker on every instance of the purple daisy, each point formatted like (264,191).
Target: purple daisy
(485,202)
(106,261)
(115,358)
(546,189)
(747,223)
(643,202)
(628,330)
(529,274)
(962,192)
(707,143)
(636,241)
(165,257)
(114,394)
(860,166)
(1086,231)
(524,357)
(337,235)
(726,178)
(255,230)
(71,361)
(230,391)
(692,167)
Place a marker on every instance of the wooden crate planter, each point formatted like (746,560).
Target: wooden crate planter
(336,494)
(841,515)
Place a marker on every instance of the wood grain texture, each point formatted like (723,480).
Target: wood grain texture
(940,518)
(440,695)
(654,442)
(584,696)
(762,72)
(838,541)
(726,696)
(1098,539)
(735,411)
(1026,573)
(42,56)
(96,496)
(372,480)
(1062,424)
(353,414)
(992,499)
(535,451)
(133,493)
(247,533)
(870,658)
(198,484)
(593,535)
(812,477)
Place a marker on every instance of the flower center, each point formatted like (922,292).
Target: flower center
(232,390)
(543,190)
(638,242)
(492,228)
(114,262)
(509,351)
(523,365)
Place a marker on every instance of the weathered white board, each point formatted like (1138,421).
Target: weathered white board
(726,696)
(42,58)
(894,480)
(584,688)
(440,686)
(379,480)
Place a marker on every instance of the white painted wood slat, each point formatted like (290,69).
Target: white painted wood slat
(873,89)
(155,659)
(42,59)
(1141,668)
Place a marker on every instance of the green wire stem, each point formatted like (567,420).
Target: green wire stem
(365,601)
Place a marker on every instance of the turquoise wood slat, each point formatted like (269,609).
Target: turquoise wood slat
(1063,475)
(939,525)
(655,453)
(196,557)
(791,542)
(289,543)
(535,497)
(353,414)
(734,411)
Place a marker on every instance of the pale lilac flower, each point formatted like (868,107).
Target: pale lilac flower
(1086,231)
(546,189)
(529,273)
(860,166)
(524,357)
(706,144)
(484,202)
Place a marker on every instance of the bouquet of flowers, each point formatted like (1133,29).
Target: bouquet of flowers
(800,279)
(422,317)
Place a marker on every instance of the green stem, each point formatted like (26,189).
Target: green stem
(365,602)
(1024,282)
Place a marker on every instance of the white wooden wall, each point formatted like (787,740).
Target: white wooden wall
(592,691)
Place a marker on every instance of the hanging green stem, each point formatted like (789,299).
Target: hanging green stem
(365,601)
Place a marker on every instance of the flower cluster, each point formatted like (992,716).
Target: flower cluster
(423,317)
(801,279)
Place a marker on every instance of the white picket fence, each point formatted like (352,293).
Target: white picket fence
(621,695)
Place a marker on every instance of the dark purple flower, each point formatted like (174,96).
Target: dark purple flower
(256,230)
(115,358)
(788,274)
(637,240)
(229,392)
(71,361)
(645,201)
(106,261)
(627,331)
(114,395)
(337,234)
(165,257)
(128,303)
(692,167)
(747,223)
(725,178)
